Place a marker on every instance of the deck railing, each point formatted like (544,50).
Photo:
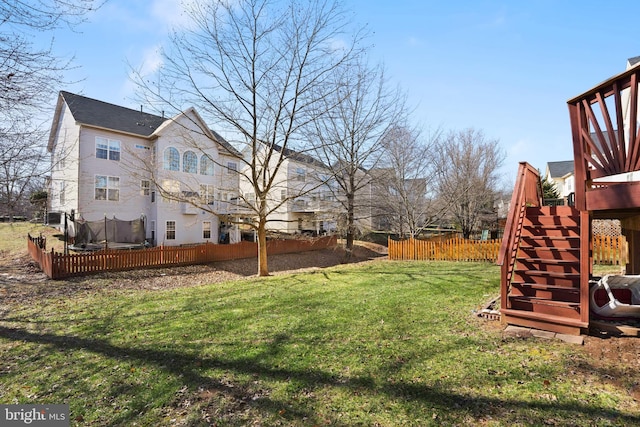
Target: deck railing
(527,192)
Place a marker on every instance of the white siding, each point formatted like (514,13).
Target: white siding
(65,164)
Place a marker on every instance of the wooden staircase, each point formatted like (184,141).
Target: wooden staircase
(545,289)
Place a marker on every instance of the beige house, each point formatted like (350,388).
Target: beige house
(561,174)
(301,200)
(110,161)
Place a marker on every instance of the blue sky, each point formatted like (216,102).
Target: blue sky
(505,67)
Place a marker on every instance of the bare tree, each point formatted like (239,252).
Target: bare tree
(349,136)
(21,158)
(29,78)
(467,166)
(258,69)
(404,189)
(30,74)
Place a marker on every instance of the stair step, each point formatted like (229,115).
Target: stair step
(547,248)
(549,273)
(550,221)
(545,301)
(549,260)
(550,242)
(545,306)
(552,210)
(544,286)
(552,293)
(542,321)
(553,226)
(537,237)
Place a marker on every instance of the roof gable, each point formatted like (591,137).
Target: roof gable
(560,169)
(91,112)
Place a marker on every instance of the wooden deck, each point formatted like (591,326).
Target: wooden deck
(546,256)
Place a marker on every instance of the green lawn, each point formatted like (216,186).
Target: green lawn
(384,343)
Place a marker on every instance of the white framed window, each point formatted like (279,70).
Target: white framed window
(61,193)
(207,194)
(171,159)
(301,174)
(145,187)
(107,188)
(153,155)
(170,190)
(232,167)
(206,165)
(189,162)
(170,230)
(206,229)
(107,148)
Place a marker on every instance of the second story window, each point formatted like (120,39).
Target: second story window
(190,162)
(62,196)
(206,165)
(107,188)
(145,187)
(171,159)
(107,148)
(170,190)
(206,194)
(232,167)
(301,174)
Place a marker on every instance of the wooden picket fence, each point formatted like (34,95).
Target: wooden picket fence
(58,265)
(607,250)
(610,250)
(456,249)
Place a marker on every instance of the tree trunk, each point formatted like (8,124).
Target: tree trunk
(350,227)
(263,267)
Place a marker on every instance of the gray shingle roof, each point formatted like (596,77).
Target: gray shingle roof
(560,169)
(92,112)
(633,61)
(230,148)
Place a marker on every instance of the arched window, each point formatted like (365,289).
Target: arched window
(206,165)
(189,162)
(171,159)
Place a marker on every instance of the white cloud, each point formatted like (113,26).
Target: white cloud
(170,13)
(151,61)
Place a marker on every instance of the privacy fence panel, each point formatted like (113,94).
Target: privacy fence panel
(456,249)
(606,250)
(610,250)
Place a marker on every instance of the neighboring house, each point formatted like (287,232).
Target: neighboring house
(393,208)
(111,161)
(562,175)
(301,199)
